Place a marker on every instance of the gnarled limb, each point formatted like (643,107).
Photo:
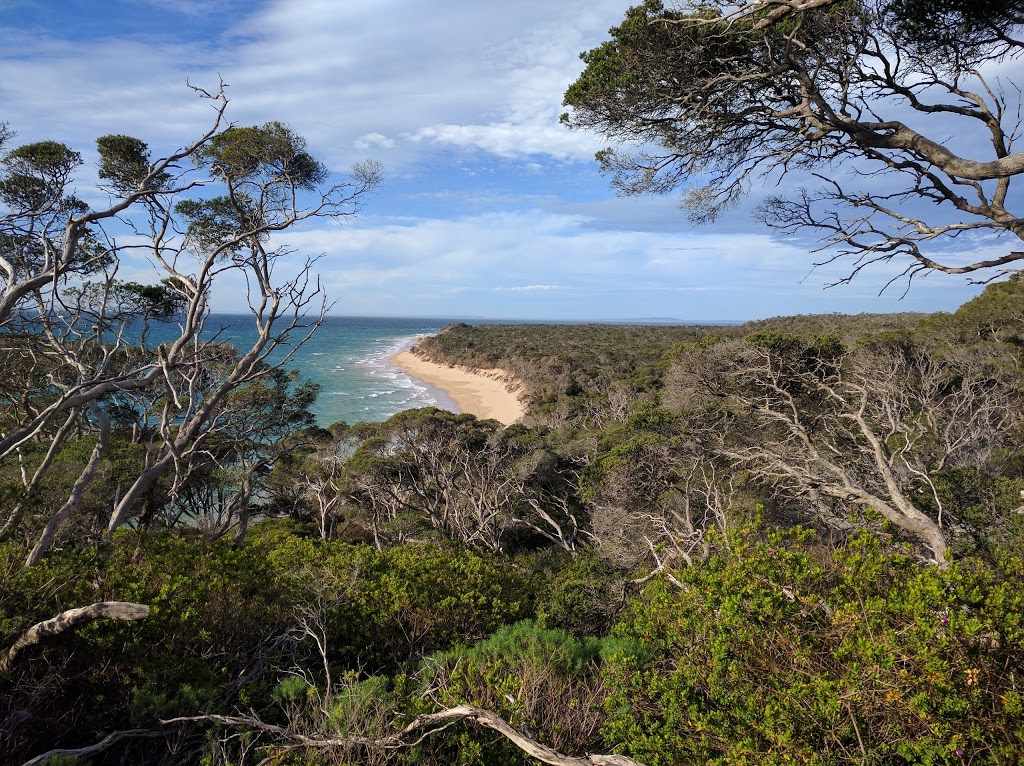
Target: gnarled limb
(524,742)
(84,752)
(49,533)
(728,92)
(73,618)
(422,726)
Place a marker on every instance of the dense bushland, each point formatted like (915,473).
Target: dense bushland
(798,541)
(779,648)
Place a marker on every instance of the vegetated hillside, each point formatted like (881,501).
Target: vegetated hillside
(795,541)
(847,326)
(568,372)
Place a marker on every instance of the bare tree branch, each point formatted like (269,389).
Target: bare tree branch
(85,752)
(71,619)
(421,727)
(80,337)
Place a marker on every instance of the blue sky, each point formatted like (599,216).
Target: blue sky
(490,208)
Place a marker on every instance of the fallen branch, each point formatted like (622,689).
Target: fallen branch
(72,618)
(294,738)
(84,752)
(525,743)
(424,725)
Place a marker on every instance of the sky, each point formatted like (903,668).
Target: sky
(489,207)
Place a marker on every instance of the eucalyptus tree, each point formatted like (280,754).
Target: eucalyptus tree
(78,337)
(427,473)
(429,469)
(904,94)
(837,430)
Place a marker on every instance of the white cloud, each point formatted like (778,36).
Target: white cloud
(484,75)
(512,140)
(527,288)
(373,140)
(461,73)
(553,265)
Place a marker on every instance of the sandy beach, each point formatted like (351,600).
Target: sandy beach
(483,393)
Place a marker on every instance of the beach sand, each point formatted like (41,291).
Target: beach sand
(484,393)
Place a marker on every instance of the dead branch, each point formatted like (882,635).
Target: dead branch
(524,742)
(72,618)
(84,752)
(422,726)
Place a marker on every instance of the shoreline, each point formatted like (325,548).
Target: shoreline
(484,394)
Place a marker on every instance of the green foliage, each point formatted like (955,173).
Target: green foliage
(112,303)
(213,639)
(527,642)
(218,222)
(31,594)
(387,608)
(151,301)
(43,159)
(291,689)
(212,611)
(273,407)
(125,163)
(34,176)
(774,654)
(956,29)
(122,460)
(624,453)
(542,680)
(580,596)
(241,154)
(212,608)
(985,507)
(997,314)
(848,327)
(568,371)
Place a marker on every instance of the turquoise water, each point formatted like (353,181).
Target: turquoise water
(348,357)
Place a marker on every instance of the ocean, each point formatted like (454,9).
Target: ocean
(348,357)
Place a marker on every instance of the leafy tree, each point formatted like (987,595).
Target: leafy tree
(83,359)
(306,480)
(259,423)
(726,92)
(467,479)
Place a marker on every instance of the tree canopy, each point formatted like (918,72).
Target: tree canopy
(82,368)
(899,92)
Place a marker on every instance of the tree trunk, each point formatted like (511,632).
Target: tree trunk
(49,534)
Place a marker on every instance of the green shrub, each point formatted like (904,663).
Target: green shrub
(387,609)
(543,681)
(771,654)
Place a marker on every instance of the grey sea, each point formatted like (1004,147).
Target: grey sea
(348,357)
